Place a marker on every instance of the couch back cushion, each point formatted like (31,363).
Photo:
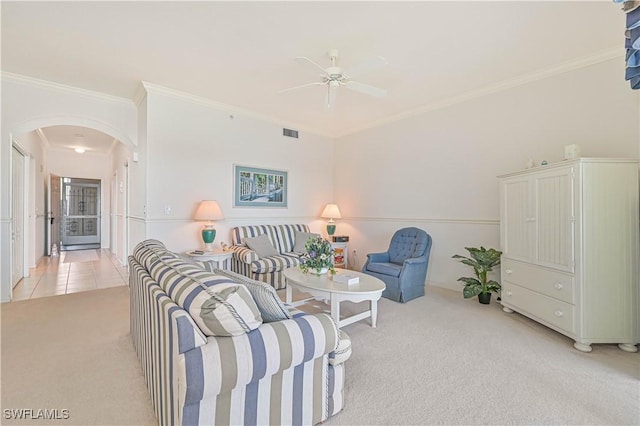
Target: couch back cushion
(217,304)
(282,237)
(261,245)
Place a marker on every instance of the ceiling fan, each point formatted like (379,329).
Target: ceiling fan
(333,77)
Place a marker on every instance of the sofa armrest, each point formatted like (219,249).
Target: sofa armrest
(244,254)
(415,261)
(225,363)
(414,270)
(378,257)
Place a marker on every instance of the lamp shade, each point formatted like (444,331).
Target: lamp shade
(331,211)
(208,210)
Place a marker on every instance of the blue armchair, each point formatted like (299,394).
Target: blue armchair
(403,267)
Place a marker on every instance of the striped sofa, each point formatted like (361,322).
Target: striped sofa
(231,368)
(267,269)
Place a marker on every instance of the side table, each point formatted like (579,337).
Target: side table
(218,258)
(340,253)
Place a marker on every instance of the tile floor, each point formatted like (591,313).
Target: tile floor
(72,272)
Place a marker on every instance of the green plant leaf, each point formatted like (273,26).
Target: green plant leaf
(493,286)
(471,291)
(470,281)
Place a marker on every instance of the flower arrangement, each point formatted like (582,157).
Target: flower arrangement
(318,254)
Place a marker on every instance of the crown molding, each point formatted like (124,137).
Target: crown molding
(43,138)
(157,89)
(140,95)
(548,72)
(50,85)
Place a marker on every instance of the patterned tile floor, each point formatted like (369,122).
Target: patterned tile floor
(72,272)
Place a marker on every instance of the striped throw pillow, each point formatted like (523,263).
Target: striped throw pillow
(219,306)
(271,307)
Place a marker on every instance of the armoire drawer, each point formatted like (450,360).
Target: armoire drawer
(553,311)
(554,284)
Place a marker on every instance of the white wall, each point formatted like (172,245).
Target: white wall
(437,171)
(118,190)
(192,146)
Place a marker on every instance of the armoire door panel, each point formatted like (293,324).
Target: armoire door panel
(555,220)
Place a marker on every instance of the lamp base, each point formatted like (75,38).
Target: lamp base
(208,236)
(331,229)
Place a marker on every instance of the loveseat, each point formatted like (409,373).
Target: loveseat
(219,348)
(287,242)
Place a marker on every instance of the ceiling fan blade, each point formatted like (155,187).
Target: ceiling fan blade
(305,60)
(317,83)
(366,89)
(365,66)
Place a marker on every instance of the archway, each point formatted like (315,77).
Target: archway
(107,163)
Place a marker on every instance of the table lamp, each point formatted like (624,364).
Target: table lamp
(208,210)
(331,211)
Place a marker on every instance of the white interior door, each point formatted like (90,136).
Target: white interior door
(17,217)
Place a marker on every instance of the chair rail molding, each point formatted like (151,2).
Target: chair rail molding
(495,222)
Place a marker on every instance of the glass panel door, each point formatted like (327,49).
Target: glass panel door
(80,211)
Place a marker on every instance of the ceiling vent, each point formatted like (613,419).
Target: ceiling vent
(290,133)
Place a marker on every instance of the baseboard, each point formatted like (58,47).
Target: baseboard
(79,247)
(448,286)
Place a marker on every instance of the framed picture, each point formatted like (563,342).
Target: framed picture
(254,187)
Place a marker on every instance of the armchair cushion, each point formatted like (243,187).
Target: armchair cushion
(261,245)
(392,269)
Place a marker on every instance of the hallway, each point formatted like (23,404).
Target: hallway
(72,272)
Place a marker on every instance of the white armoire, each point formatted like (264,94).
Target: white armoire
(570,242)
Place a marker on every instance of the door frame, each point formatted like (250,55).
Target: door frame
(26,243)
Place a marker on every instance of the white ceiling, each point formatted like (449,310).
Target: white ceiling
(242,53)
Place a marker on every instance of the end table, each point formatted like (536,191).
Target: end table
(218,258)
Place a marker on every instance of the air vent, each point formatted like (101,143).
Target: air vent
(290,133)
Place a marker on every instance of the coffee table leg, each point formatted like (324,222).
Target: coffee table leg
(289,293)
(335,309)
(374,312)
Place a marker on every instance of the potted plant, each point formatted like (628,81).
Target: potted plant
(318,256)
(482,261)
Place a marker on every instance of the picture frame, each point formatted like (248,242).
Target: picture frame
(258,187)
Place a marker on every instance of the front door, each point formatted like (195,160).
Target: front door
(80,213)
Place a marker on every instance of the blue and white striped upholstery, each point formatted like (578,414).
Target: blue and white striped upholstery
(220,306)
(271,307)
(278,373)
(268,269)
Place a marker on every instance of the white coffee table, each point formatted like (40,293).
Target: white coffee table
(322,287)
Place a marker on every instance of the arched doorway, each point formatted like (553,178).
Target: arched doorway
(73,152)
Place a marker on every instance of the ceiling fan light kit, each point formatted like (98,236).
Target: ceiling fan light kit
(333,77)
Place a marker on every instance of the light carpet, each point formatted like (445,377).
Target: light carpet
(81,256)
(438,359)
(73,352)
